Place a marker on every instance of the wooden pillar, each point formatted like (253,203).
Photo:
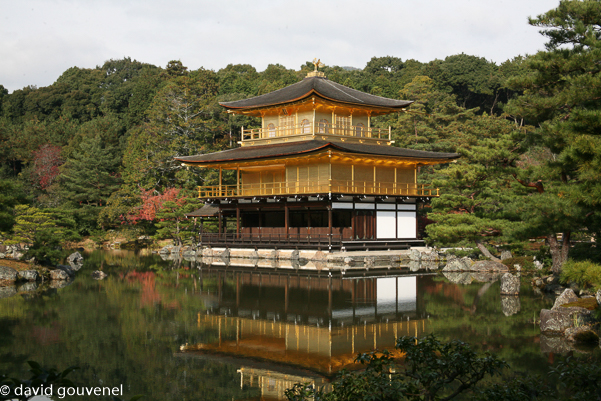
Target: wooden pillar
(287,220)
(330,297)
(238,181)
(286,297)
(220,217)
(330,226)
(354,221)
(237,221)
(220,176)
(237,290)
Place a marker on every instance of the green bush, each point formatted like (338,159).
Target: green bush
(584,273)
(431,370)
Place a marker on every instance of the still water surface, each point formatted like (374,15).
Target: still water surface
(181,331)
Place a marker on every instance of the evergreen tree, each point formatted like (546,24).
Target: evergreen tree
(180,123)
(477,190)
(90,175)
(562,95)
(172,222)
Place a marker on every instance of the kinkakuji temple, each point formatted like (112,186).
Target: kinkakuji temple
(316,174)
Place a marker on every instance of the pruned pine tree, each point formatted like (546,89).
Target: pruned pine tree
(562,96)
(478,189)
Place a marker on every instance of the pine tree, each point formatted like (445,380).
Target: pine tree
(562,95)
(90,175)
(477,189)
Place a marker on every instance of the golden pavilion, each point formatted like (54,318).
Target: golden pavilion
(316,174)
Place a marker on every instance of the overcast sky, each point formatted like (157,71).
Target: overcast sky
(40,39)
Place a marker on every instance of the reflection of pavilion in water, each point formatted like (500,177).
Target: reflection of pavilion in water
(315,322)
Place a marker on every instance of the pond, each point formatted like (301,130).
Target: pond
(178,330)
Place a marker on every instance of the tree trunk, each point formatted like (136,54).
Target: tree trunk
(486,252)
(559,252)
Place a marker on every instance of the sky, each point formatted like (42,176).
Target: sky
(40,39)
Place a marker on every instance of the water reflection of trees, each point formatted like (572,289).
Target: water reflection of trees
(122,330)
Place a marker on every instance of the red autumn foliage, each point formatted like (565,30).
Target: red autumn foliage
(47,160)
(152,203)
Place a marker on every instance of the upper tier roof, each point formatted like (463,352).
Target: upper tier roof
(304,147)
(321,87)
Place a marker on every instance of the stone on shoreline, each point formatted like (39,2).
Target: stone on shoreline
(489,266)
(458,265)
(75,260)
(8,275)
(566,297)
(28,275)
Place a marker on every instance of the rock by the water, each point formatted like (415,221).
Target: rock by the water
(489,266)
(538,282)
(598,296)
(28,275)
(166,249)
(538,264)
(225,255)
(510,304)
(8,275)
(75,260)
(566,297)
(58,275)
(557,321)
(459,265)
(415,255)
(505,254)
(7,291)
(175,250)
(510,284)
(98,275)
(189,253)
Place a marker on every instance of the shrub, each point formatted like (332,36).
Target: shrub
(431,370)
(585,273)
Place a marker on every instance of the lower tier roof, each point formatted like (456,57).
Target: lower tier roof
(306,147)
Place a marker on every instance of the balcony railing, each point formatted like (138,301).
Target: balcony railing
(356,131)
(317,187)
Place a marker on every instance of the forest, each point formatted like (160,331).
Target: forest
(92,154)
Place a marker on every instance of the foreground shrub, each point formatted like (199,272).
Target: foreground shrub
(431,371)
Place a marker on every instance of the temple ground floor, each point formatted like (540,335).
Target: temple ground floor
(341,223)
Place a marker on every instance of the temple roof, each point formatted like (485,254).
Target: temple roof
(304,147)
(205,211)
(321,87)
